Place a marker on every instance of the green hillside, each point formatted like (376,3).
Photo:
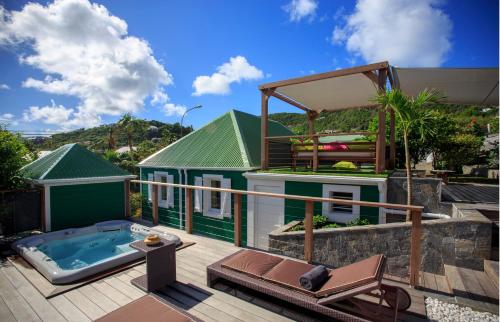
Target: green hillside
(359,119)
(97,138)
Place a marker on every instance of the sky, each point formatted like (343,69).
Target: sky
(71,64)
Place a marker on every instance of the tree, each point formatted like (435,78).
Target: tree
(13,155)
(130,124)
(413,116)
(461,149)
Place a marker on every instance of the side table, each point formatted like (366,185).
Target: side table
(160,265)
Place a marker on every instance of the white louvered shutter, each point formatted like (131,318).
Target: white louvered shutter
(226,198)
(150,187)
(170,192)
(198,199)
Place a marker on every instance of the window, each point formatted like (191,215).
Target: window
(216,204)
(165,194)
(215,201)
(337,212)
(340,208)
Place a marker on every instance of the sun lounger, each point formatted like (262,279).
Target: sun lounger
(279,277)
(149,308)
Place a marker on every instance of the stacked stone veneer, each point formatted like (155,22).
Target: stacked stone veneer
(463,240)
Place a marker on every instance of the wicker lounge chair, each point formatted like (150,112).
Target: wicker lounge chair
(149,308)
(278,277)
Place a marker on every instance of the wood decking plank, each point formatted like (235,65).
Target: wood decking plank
(104,302)
(37,302)
(20,309)
(127,289)
(5,314)
(68,309)
(489,288)
(112,293)
(442,284)
(89,308)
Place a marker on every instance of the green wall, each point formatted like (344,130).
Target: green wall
(295,209)
(212,227)
(86,204)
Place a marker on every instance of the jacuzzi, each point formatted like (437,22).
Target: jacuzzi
(69,255)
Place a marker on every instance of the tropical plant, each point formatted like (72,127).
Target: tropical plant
(460,150)
(13,155)
(413,114)
(130,124)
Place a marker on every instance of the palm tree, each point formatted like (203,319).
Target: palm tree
(130,124)
(413,114)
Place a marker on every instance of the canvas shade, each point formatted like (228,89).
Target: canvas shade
(477,86)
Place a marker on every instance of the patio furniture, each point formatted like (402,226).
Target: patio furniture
(160,265)
(149,308)
(357,152)
(279,278)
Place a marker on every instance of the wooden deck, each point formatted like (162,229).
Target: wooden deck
(470,193)
(20,301)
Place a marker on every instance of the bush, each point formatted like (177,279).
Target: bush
(319,221)
(358,222)
(345,165)
(136,201)
(331,225)
(460,150)
(13,155)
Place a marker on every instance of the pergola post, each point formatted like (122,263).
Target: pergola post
(311,116)
(380,155)
(264,143)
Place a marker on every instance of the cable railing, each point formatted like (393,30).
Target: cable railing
(187,210)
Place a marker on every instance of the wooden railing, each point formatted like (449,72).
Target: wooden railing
(416,216)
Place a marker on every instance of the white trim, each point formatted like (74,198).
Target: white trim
(83,180)
(251,206)
(55,163)
(364,181)
(151,177)
(341,217)
(199,168)
(207,200)
(47,208)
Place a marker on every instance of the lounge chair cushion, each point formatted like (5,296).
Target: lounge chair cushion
(288,273)
(347,277)
(146,308)
(252,263)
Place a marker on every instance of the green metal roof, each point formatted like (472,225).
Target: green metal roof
(230,141)
(71,161)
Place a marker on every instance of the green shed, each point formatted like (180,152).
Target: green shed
(217,155)
(79,187)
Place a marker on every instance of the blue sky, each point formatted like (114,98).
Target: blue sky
(159,48)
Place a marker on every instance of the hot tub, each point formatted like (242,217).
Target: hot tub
(69,255)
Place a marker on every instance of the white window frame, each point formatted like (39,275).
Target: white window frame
(341,217)
(163,203)
(207,200)
(151,177)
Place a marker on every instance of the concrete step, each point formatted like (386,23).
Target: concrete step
(491,270)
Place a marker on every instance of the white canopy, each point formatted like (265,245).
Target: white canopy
(356,87)
(459,85)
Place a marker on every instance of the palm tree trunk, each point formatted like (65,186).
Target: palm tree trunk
(409,178)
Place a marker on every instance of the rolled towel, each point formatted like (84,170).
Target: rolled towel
(314,278)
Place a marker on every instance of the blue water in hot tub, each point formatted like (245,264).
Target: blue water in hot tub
(84,250)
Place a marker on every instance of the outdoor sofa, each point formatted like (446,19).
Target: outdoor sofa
(279,277)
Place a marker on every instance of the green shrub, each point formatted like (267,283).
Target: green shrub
(358,222)
(297,227)
(319,221)
(345,165)
(331,225)
(136,201)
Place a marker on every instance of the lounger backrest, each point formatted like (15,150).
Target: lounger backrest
(347,277)
(252,263)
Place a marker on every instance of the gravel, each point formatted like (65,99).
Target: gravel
(443,311)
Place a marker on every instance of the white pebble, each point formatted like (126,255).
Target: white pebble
(444,312)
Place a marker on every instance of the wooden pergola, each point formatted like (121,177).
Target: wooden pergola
(330,92)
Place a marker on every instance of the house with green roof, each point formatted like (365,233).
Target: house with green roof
(216,155)
(79,187)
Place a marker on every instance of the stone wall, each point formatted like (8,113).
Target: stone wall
(464,241)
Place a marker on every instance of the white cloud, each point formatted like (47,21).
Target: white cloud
(4,86)
(85,52)
(172,109)
(300,9)
(404,32)
(7,116)
(234,71)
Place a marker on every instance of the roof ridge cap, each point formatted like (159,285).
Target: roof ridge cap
(57,161)
(239,138)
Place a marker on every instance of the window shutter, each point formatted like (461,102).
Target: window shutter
(226,198)
(170,192)
(198,181)
(150,187)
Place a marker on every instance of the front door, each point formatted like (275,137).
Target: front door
(268,213)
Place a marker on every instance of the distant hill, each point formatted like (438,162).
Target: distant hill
(97,138)
(359,119)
